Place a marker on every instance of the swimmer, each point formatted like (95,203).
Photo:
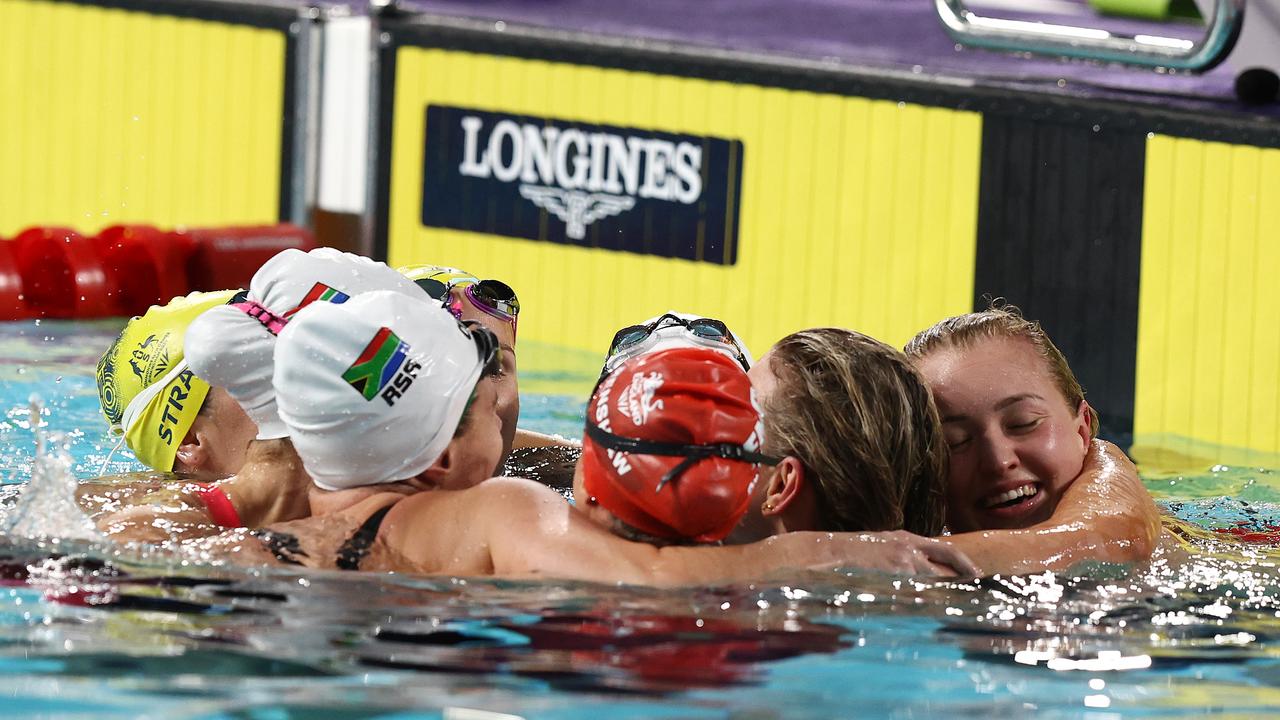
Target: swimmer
(686,416)
(170,418)
(229,346)
(1030,487)
(284,283)
(494,304)
(860,440)
(506,526)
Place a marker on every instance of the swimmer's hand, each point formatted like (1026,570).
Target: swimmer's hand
(902,553)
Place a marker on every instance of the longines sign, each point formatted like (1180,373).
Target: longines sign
(595,186)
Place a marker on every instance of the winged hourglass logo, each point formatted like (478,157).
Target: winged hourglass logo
(575,208)
(639,190)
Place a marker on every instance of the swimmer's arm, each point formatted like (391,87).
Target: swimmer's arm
(272,487)
(1107,514)
(528,531)
(530,439)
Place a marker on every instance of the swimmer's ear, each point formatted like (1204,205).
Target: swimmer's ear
(191,455)
(439,469)
(1084,422)
(784,486)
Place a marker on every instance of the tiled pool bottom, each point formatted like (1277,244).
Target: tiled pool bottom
(96,635)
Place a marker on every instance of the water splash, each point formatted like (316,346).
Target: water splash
(47,506)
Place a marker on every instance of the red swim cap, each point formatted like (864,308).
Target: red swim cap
(682,397)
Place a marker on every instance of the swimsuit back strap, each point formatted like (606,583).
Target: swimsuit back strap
(357,546)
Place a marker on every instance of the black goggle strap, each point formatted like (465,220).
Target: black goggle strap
(691,453)
(487,346)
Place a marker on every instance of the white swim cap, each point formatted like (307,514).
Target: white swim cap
(232,346)
(373,390)
(672,330)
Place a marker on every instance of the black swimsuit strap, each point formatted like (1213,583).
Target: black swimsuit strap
(284,546)
(357,546)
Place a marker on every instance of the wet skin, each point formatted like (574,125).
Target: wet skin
(479,448)
(508,392)
(1015,444)
(588,505)
(223,432)
(754,525)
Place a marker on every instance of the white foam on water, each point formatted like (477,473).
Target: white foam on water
(46,506)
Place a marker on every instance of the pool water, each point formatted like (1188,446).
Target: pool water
(87,633)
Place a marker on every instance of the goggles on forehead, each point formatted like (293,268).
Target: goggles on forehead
(692,454)
(707,332)
(492,297)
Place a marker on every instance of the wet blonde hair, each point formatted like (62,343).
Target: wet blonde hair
(1003,321)
(861,420)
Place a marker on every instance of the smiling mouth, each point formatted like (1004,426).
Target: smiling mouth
(1011,498)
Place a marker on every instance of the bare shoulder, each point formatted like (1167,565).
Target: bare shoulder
(453,530)
(488,495)
(1109,479)
(503,504)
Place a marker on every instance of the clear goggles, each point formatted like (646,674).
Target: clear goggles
(672,329)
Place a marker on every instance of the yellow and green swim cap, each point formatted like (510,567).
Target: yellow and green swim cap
(437,279)
(147,391)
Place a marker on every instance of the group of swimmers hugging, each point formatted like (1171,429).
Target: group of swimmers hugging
(343,414)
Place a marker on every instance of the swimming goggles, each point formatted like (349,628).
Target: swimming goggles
(692,454)
(708,332)
(492,297)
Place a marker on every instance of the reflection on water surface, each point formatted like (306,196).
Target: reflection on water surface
(88,632)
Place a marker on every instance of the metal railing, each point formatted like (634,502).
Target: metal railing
(1222,30)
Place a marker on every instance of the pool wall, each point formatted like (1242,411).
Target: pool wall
(795,182)
(1135,231)
(145,111)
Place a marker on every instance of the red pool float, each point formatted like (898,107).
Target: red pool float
(12,305)
(62,275)
(224,258)
(145,266)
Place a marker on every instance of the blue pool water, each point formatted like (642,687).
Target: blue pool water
(91,634)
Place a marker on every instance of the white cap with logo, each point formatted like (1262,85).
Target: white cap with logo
(373,390)
(231,346)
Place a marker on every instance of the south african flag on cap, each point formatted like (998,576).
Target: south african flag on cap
(320,292)
(377,364)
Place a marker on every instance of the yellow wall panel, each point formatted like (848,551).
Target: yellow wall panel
(853,212)
(115,116)
(1208,366)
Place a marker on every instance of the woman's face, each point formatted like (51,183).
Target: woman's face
(476,453)
(504,383)
(1015,445)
